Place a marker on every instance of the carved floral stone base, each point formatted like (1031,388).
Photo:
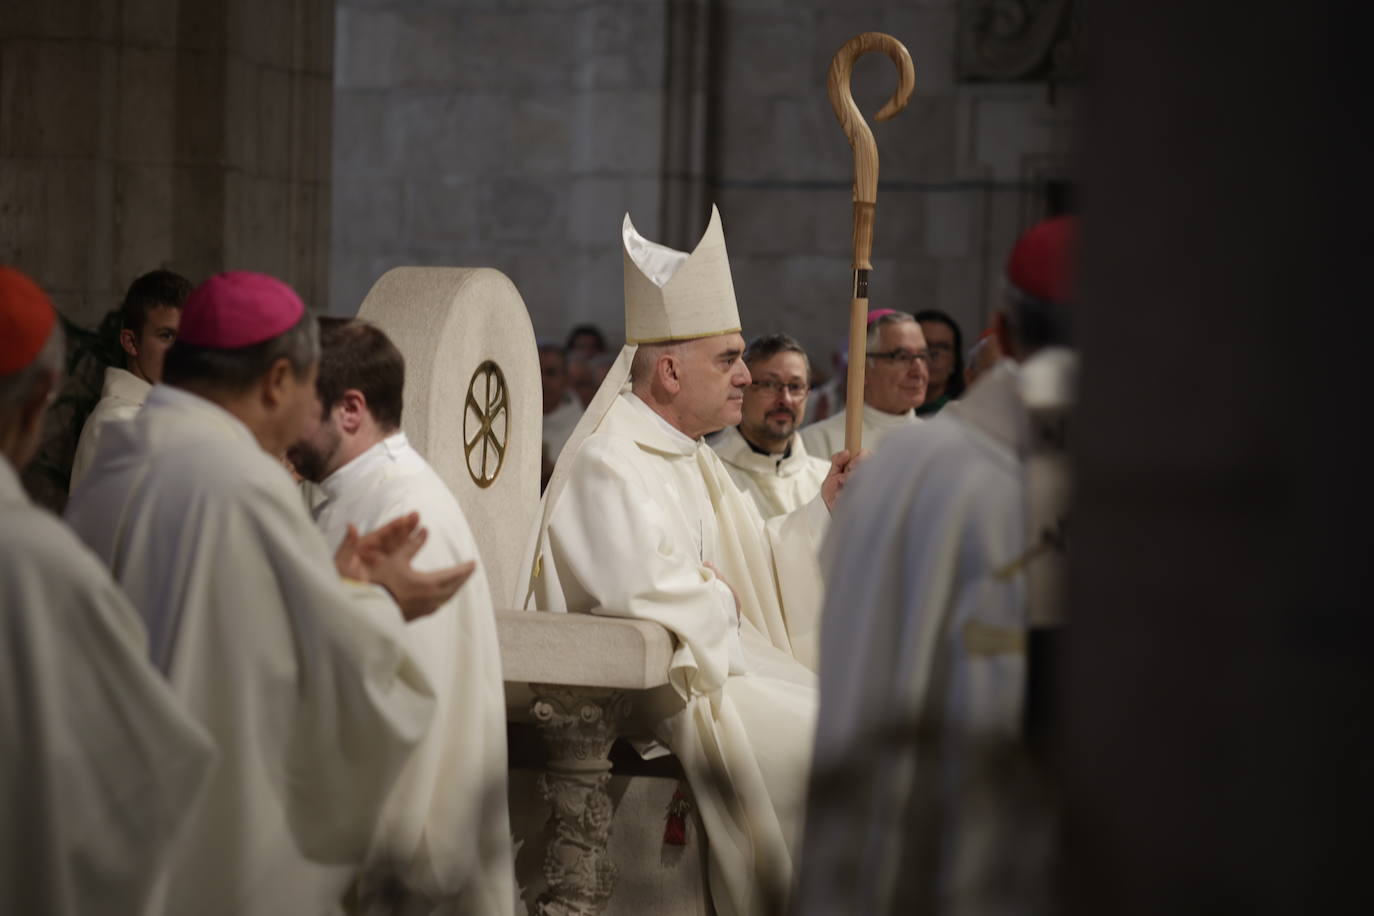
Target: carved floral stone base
(578,727)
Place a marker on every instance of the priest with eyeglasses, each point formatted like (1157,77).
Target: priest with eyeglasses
(895,380)
(763,455)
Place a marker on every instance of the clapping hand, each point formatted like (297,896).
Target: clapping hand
(383,557)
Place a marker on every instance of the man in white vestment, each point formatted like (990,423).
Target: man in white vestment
(896,371)
(925,797)
(985,353)
(763,454)
(444,833)
(562,409)
(101,765)
(642,520)
(302,678)
(149,316)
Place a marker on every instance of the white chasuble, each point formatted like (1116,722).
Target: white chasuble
(925,637)
(100,767)
(445,830)
(302,679)
(778,484)
(121,398)
(644,511)
(826,437)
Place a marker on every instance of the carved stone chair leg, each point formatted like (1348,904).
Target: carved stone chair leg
(578,727)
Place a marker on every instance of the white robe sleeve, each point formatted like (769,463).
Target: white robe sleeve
(363,703)
(102,765)
(609,515)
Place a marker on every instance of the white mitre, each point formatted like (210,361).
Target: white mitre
(673,295)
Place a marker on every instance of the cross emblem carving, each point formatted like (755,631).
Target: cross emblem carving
(486,423)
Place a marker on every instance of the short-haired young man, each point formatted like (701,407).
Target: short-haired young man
(149,317)
(763,455)
(444,835)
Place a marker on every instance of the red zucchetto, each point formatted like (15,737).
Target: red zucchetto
(26,320)
(238,309)
(1042,262)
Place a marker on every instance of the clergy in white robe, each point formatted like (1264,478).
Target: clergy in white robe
(121,398)
(924,796)
(896,372)
(100,767)
(642,520)
(303,679)
(763,454)
(149,316)
(562,409)
(445,830)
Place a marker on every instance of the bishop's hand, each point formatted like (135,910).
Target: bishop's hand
(383,557)
(841,466)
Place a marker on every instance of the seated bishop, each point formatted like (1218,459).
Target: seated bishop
(444,835)
(642,520)
(763,454)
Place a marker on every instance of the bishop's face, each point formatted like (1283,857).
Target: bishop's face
(713,380)
(896,376)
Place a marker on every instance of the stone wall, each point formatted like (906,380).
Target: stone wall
(516,135)
(188,134)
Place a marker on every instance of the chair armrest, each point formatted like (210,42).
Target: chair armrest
(583,650)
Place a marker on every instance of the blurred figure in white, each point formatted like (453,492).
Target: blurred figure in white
(102,766)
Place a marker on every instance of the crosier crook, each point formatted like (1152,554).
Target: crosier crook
(865,148)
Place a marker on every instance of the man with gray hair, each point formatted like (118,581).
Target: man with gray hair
(896,372)
(295,664)
(763,454)
(102,765)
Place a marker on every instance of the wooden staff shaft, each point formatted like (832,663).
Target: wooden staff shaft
(858,325)
(861,140)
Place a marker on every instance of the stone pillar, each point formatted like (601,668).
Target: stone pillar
(188,134)
(578,726)
(1217,676)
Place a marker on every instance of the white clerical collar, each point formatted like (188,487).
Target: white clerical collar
(743,454)
(685,443)
(11,490)
(123,384)
(884,420)
(384,452)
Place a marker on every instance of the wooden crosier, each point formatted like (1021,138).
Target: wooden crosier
(860,137)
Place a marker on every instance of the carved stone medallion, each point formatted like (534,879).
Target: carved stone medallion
(486,423)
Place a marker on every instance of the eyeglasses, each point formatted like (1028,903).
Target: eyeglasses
(774,388)
(903,358)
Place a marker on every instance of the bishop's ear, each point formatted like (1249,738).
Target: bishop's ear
(128,342)
(669,371)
